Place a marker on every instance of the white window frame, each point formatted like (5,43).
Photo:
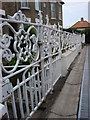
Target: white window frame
(23,6)
(53,11)
(59,11)
(37,5)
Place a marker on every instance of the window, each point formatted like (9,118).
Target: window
(24,3)
(53,15)
(59,12)
(37,5)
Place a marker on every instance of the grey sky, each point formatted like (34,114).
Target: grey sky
(73,10)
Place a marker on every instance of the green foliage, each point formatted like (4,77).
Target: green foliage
(87,31)
(87,35)
(13,61)
(33,31)
(26,27)
(75,30)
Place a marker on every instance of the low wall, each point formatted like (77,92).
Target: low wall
(67,58)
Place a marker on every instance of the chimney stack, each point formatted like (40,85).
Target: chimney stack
(82,19)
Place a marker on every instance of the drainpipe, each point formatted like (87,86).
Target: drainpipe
(16,4)
(62,3)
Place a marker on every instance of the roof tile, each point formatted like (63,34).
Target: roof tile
(81,24)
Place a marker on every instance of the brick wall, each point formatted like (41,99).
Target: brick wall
(12,7)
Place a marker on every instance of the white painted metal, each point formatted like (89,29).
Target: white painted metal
(26,84)
(2,107)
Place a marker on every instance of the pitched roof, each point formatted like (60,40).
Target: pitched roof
(81,24)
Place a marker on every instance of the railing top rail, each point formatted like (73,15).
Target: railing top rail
(29,23)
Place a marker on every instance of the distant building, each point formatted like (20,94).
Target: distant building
(81,25)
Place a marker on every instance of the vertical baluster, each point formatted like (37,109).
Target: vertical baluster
(39,85)
(25,93)
(42,62)
(0,64)
(1,33)
(13,102)
(20,99)
(48,77)
(35,88)
(31,92)
(59,37)
(50,59)
(7,110)
(26,100)
(45,79)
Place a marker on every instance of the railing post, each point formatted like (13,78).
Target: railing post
(42,60)
(40,34)
(60,35)
(83,40)
(2,110)
(50,60)
(0,60)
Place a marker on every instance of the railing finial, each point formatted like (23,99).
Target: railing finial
(2,12)
(47,20)
(40,17)
(19,16)
(59,26)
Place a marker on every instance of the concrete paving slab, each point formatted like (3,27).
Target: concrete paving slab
(71,90)
(78,67)
(74,78)
(54,115)
(67,102)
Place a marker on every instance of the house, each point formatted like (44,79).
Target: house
(30,9)
(81,25)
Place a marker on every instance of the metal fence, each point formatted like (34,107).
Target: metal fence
(30,61)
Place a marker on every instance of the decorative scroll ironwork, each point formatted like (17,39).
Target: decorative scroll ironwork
(55,40)
(5,44)
(19,16)
(45,42)
(25,44)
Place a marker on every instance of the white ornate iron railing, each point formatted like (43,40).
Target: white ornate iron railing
(30,61)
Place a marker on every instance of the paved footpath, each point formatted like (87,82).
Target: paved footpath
(65,104)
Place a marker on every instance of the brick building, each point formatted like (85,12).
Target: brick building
(30,9)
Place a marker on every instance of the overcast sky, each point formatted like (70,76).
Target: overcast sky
(73,10)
